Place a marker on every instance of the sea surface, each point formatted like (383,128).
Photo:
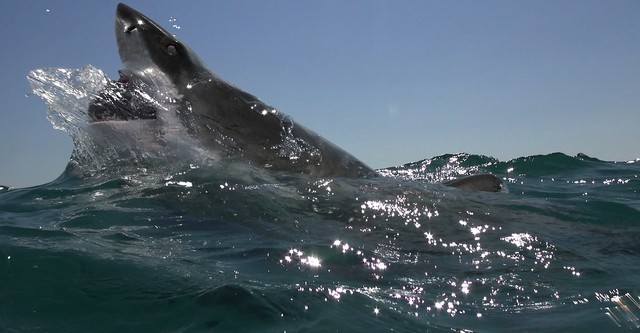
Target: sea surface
(226,247)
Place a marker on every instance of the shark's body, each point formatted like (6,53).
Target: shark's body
(165,84)
(165,91)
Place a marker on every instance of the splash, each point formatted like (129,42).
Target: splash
(106,145)
(68,93)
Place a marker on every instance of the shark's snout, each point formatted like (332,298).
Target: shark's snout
(128,19)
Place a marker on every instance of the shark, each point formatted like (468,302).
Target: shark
(164,83)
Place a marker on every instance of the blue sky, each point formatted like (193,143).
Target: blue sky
(390,81)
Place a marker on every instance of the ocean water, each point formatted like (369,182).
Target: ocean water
(225,247)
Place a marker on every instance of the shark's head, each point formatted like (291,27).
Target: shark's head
(156,70)
(182,91)
(147,111)
(154,64)
(148,50)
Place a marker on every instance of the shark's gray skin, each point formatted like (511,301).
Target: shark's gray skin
(163,81)
(222,118)
(481,182)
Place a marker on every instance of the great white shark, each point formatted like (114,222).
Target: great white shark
(165,84)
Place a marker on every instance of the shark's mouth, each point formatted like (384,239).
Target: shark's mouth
(120,101)
(124,79)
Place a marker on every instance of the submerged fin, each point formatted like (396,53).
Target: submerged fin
(480,183)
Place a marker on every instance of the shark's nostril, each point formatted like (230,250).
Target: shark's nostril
(130,28)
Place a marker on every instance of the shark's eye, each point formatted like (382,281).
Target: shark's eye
(172,49)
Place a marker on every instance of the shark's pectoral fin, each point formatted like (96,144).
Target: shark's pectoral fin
(482,183)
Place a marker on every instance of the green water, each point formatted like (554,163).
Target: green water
(200,251)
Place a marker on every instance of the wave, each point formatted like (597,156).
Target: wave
(230,246)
